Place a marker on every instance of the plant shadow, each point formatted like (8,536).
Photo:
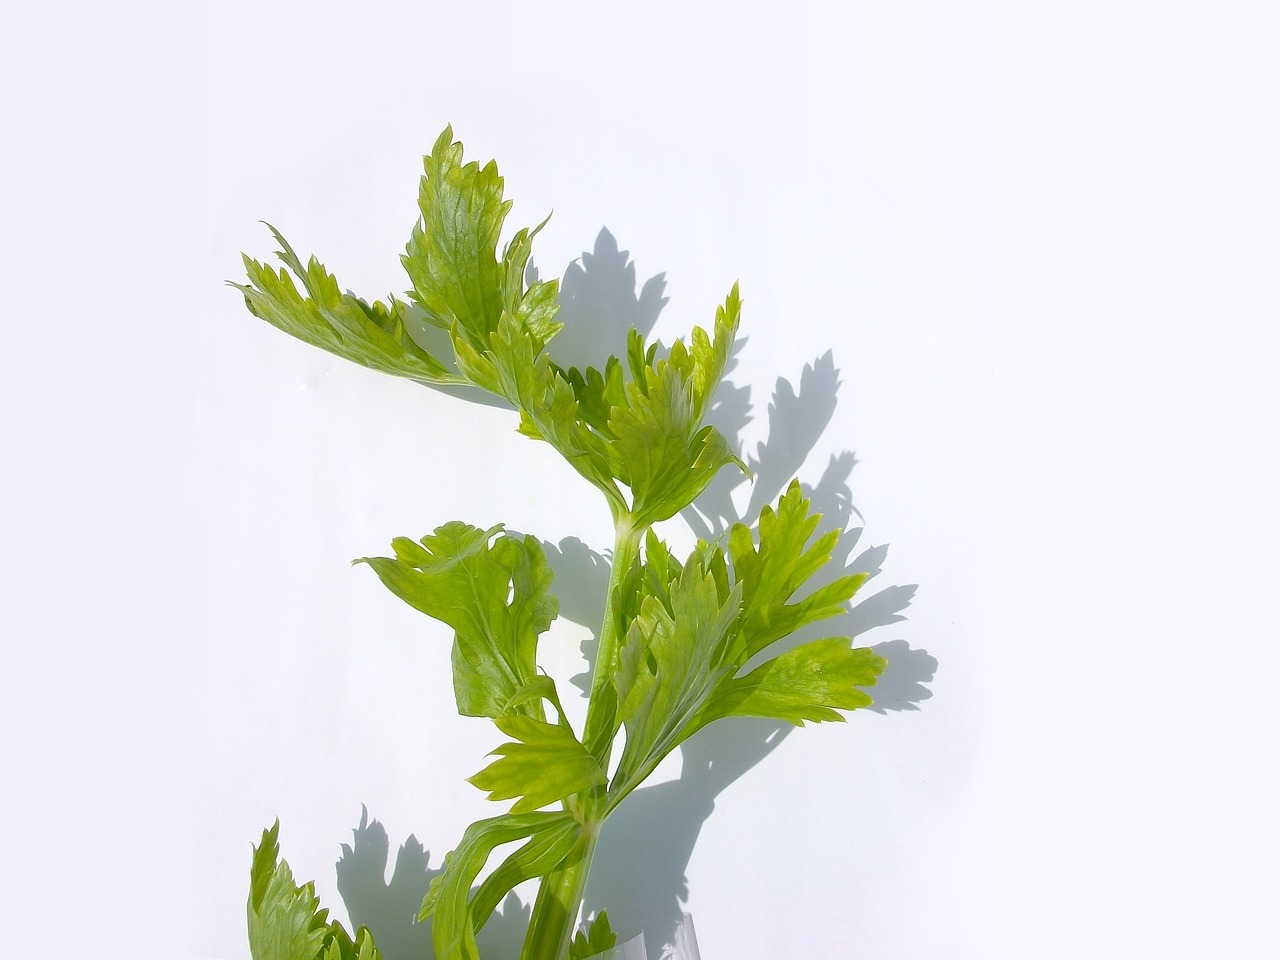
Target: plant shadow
(639,873)
(389,907)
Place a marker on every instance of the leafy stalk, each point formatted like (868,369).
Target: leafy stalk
(682,643)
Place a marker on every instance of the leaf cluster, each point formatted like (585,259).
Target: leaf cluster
(693,629)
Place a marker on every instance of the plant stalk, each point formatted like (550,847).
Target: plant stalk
(560,894)
(626,552)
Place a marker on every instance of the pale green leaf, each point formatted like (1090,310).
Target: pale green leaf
(452,261)
(374,335)
(808,683)
(534,307)
(539,855)
(286,921)
(597,393)
(449,901)
(660,450)
(652,423)
(772,573)
(451,257)
(518,370)
(668,669)
(542,764)
(703,362)
(496,597)
(691,630)
(541,687)
(659,445)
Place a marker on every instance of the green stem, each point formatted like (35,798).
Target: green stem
(559,898)
(555,910)
(626,552)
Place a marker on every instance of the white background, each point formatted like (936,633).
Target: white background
(1035,240)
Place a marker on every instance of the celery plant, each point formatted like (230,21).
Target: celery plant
(677,635)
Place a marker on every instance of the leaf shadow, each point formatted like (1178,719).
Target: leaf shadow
(599,304)
(389,907)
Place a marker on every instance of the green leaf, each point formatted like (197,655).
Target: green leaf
(691,629)
(808,683)
(449,900)
(286,921)
(342,947)
(534,307)
(538,856)
(771,574)
(647,432)
(660,447)
(373,335)
(451,256)
(597,393)
(544,763)
(515,368)
(595,939)
(365,948)
(494,595)
(452,259)
(704,362)
(669,669)
(541,687)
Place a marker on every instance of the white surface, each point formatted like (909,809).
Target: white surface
(935,194)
